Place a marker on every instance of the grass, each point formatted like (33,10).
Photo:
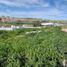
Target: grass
(45,49)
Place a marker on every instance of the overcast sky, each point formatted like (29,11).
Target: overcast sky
(49,9)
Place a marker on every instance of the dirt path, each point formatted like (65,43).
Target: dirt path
(27,33)
(64,29)
(38,31)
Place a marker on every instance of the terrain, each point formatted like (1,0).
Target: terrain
(47,48)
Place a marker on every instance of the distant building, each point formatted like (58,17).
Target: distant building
(47,24)
(12,19)
(58,24)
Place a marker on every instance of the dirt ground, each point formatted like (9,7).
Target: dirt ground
(64,29)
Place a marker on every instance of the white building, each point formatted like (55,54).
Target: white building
(47,24)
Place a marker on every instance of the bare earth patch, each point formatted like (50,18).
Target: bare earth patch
(65,30)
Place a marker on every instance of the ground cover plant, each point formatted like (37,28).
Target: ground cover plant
(45,49)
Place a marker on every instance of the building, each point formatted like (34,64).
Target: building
(12,19)
(47,24)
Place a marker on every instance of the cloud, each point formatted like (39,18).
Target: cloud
(34,8)
(7,3)
(60,4)
(36,14)
(25,3)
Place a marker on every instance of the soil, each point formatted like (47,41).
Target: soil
(65,30)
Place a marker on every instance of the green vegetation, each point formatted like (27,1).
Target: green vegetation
(45,49)
(15,23)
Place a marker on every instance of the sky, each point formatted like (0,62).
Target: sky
(48,9)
